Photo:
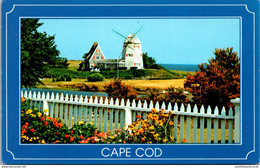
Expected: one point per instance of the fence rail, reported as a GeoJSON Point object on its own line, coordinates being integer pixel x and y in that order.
{"type": "Point", "coordinates": [193, 124]}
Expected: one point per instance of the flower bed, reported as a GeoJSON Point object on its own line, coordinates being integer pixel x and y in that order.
{"type": "Point", "coordinates": [37, 127]}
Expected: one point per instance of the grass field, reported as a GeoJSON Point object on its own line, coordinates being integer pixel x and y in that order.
{"type": "Point", "coordinates": [141, 84]}
{"type": "Point", "coordinates": [164, 79]}
{"type": "Point", "coordinates": [74, 64]}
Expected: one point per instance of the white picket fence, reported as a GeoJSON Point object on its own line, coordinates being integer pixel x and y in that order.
{"type": "Point", "coordinates": [193, 124]}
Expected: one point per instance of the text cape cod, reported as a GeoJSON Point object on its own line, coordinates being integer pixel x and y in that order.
{"type": "Point", "coordinates": [129, 152]}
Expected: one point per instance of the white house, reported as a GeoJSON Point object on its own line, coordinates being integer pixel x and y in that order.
{"type": "Point", "coordinates": [94, 55]}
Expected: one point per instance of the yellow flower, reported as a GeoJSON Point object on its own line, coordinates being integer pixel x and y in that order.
{"type": "Point", "coordinates": [27, 138]}
{"type": "Point", "coordinates": [81, 122]}
{"type": "Point", "coordinates": [162, 110]}
{"type": "Point", "coordinates": [39, 114]}
{"type": "Point", "coordinates": [166, 115]}
{"type": "Point", "coordinates": [151, 128]}
{"type": "Point", "coordinates": [35, 109]}
{"type": "Point", "coordinates": [34, 138]}
{"type": "Point", "coordinates": [164, 140]}
{"type": "Point", "coordinates": [29, 111]}
{"type": "Point", "coordinates": [149, 142]}
{"type": "Point", "coordinates": [43, 141]}
{"type": "Point", "coordinates": [171, 123]}
{"type": "Point", "coordinates": [112, 137]}
{"type": "Point", "coordinates": [30, 140]}
{"type": "Point", "coordinates": [160, 123]}
{"type": "Point", "coordinates": [154, 110]}
{"type": "Point", "coordinates": [46, 110]}
{"type": "Point", "coordinates": [124, 128]}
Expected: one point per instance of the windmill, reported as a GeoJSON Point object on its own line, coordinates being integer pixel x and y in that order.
{"type": "Point", "coordinates": [132, 50]}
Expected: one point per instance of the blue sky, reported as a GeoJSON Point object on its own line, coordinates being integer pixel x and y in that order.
{"type": "Point", "coordinates": [170, 41]}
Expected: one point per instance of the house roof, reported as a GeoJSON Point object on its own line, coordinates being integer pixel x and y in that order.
{"type": "Point", "coordinates": [91, 51]}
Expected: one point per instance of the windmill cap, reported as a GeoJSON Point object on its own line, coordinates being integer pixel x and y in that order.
{"type": "Point", "coordinates": [133, 39]}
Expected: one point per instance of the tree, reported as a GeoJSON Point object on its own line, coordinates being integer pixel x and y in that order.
{"type": "Point", "coordinates": [149, 62]}
{"type": "Point", "coordinates": [38, 51]}
{"type": "Point", "coordinates": [218, 81]}
{"type": "Point", "coordinates": [118, 89]}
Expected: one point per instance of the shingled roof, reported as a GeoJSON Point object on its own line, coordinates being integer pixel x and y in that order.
{"type": "Point", "coordinates": [91, 51]}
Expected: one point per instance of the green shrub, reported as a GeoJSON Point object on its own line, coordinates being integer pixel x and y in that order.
{"type": "Point", "coordinates": [95, 77]}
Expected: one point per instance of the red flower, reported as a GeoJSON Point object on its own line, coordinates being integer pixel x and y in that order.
{"type": "Point", "coordinates": [23, 132]}
{"type": "Point", "coordinates": [57, 133]}
{"type": "Point", "coordinates": [26, 124]}
{"type": "Point", "coordinates": [66, 135]}
{"type": "Point", "coordinates": [71, 139]}
{"type": "Point", "coordinates": [46, 123]}
{"type": "Point", "coordinates": [56, 125]}
{"type": "Point", "coordinates": [42, 119]}
{"type": "Point", "coordinates": [138, 116]}
{"type": "Point", "coordinates": [71, 132]}
{"type": "Point", "coordinates": [54, 120]}
{"type": "Point", "coordinates": [32, 130]}
{"type": "Point", "coordinates": [81, 137]}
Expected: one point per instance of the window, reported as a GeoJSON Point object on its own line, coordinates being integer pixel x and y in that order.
{"type": "Point", "coordinates": [97, 57]}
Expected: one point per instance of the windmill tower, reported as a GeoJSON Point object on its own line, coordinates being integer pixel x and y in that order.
{"type": "Point", "coordinates": [132, 51]}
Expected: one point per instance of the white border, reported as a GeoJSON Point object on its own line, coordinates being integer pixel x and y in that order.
{"type": "Point", "coordinates": [143, 18]}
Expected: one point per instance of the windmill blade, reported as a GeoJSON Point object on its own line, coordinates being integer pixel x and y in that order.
{"type": "Point", "coordinates": [136, 33]}
{"type": "Point", "coordinates": [119, 34]}
{"type": "Point", "coordinates": [138, 30]}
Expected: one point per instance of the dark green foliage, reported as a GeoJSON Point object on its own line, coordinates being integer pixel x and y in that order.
{"type": "Point", "coordinates": [38, 51]}
{"type": "Point", "coordinates": [61, 63]}
{"type": "Point", "coordinates": [149, 62]}
{"type": "Point", "coordinates": [95, 77]}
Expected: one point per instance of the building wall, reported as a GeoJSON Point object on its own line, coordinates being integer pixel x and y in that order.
{"type": "Point", "coordinates": [133, 56]}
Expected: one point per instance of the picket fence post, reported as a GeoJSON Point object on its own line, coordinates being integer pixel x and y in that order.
{"type": "Point", "coordinates": [45, 107]}
{"type": "Point", "coordinates": [236, 102]}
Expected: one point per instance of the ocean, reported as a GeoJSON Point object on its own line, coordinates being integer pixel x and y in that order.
{"type": "Point", "coordinates": [181, 67]}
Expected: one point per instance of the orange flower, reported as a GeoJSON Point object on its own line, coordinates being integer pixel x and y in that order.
{"type": "Point", "coordinates": [81, 137]}
{"type": "Point", "coordinates": [26, 124]}
{"type": "Point", "coordinates": [141, 131]}
{"type": "Point", "coordinates": [49, 118]}
{"type": "Point", "coordinates": [57, 141]}
{"type": "Point", "coordinates": [138, 116]}
{"type": "Point", "coordinates": [171, 123]}
{"type": "Point", "coordinates": [22, 99]}
{"type": "Point", "coordinates": [46, 123]}
{"type": "Point", "coordinates": [60, 124]}
{"type": "Point", "coordinates": [184, 140]}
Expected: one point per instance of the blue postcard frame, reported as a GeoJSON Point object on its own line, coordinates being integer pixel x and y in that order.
{"type": "Point", "coordinates": [246, 152]}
